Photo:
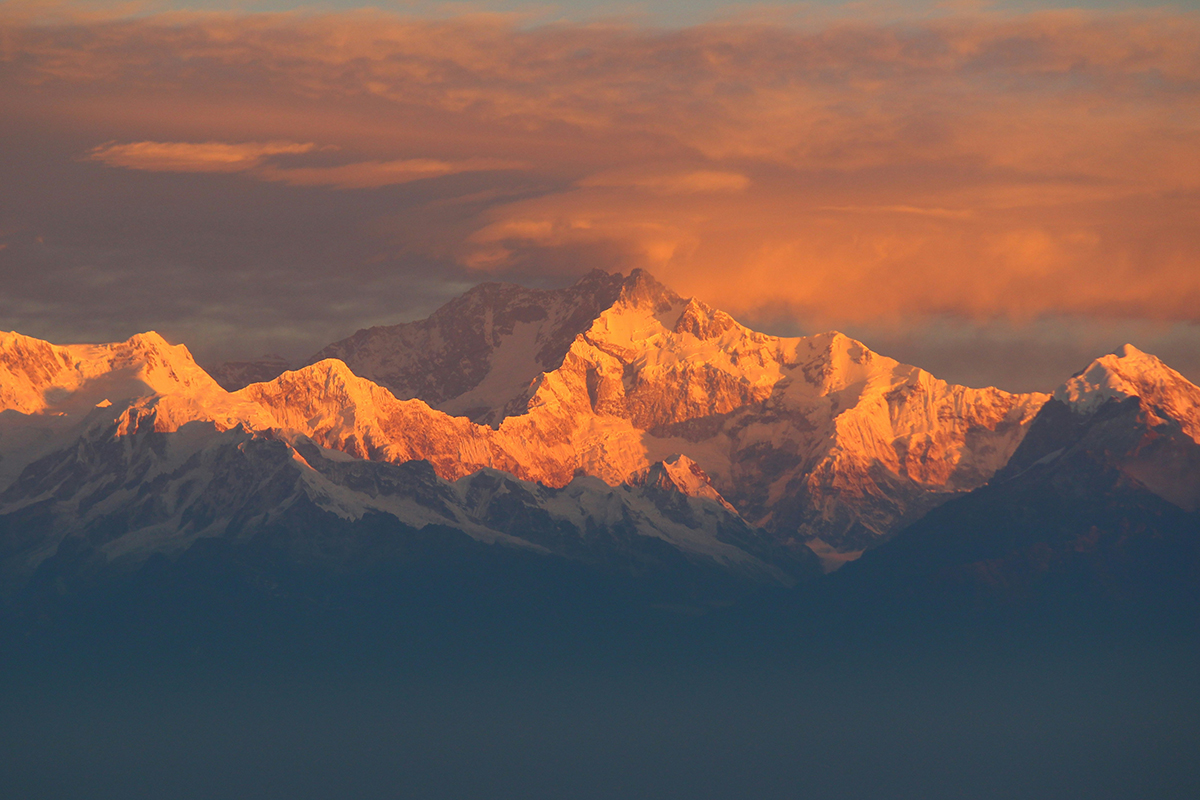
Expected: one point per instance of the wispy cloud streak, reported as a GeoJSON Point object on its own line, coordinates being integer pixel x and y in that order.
{"type": "Point", "coordinates": [193, 157]}
{"type": "Point", "coordinates": [253, 158]}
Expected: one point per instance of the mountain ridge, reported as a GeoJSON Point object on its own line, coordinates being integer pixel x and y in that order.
{"type": "Point", "coordinates": [664, 420]}
{"type": "Point", "coordinates": [817, 439]}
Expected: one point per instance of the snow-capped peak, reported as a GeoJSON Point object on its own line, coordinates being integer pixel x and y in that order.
{"type": "Point", "coordinates": [1129, 372]}
{"type": "Point", "coordinates": [1125, 372]}
{"type": "Point", "coordinates": [38, 375]}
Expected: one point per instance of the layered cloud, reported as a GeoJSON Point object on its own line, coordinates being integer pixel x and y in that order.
{"type": "Point", "coordinates": [982, 167]}
{"type": "Point", "coordinates": [193, 156]}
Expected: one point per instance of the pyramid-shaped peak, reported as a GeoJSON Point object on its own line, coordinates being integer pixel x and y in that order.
{"type": "Point", "coordinates": [1129, 351]}
{"type": "Point", "coordinates": [326, 387]}
{"type": "Point", "coordinates": [153, 342]}
{"type": "Point", "coordinates": [177, 353]}
{"type": "Point", "coordinates": [643, 289]}
{"type": "Point", "coordinates": [681, 462]}
{"type": "Point", "coordinates": [1130, 359]}
{"type": "Point", "coordinates": [676, 471]}
{"type": "Point", "coordinates": [840, 341]}
{"type": "Point", "coordinates": [842, 350]}
{"type": "Point", "coordinates": [684, 468]}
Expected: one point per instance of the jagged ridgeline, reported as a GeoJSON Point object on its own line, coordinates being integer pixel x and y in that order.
{"type": "Point", "coordinates": [816, 439]}
{"type": "Point", "coordinates": [611, 426]}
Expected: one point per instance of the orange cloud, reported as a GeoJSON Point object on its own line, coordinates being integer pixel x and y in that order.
{"type": "Point", "coordinates": [977, 166]}
{"type": "Point", "coordinates": [769, 251]}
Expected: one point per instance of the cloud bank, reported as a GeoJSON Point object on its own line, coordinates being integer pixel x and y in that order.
{"type": "Point", "coordinates": [991, 169]}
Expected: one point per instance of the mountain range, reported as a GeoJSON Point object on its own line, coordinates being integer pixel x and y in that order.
{"type": "Point", "coordinates": [816, 439]}
{"type": "Point", "coordinates": [610, 424]}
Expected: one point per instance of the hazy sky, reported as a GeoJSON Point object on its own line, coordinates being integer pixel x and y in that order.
{"type": "Point", "coordinates": [997, 192]}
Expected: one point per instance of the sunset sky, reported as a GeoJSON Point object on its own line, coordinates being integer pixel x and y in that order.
{"type": "Point", "coordinates": [997, 192]}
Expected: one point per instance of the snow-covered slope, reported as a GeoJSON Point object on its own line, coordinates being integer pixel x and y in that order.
{"type": "Point", "coordinates": [813, 437]}
{"type": "Point", "coordinates": [817, 439]}
{"type": "Point", "coordinates": [665, 432]}
{"type": "Point", "coordinates": [37, 377]}
{"type": "Point", "coordinates": [1100, 503]}
{"type": "Point", "coordinates": [130, 449]}
{"type": "Point", "coordinates": [341, 411]}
